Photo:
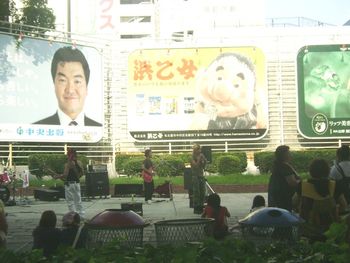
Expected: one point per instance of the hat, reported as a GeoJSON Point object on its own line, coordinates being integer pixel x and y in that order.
{"type": "Point", "coordinates": [70, 219]}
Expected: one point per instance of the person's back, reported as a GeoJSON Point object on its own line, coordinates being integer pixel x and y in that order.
{"type": "Point", "coordinates": [3, 225]}
{"type": "Point", "coordinates": [340, 171]}
{"type": "Point", "coordinates": [73, 234]}
{"type": "Point", "coordinates": [258, 202]}
{"type": "Point", "coordinates": [214, 210]}
{"type": "Point", "coordinates": [319, 197]}
{"type": "Point", "coordinates": [46, 236]}
{"type": "Point", "coordinates": [69, 234]}
{"type": "Point", "coordinates": [316, 209]}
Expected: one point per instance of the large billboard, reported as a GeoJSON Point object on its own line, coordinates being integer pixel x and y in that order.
{"type": "Point", "coordinates": [197, 94]}
{"type": "Point", "coordinates": [50, 91]}
{"type": "Point", "coordinates": [324, 91]}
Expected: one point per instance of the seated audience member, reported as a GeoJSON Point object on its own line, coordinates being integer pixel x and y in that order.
{"type": "Point", "coordinates": [3, 225]}
{"type": "Point", "coordinates": [258, 202]}
{"type": "Point", "coordinates": [46, 236]}
{"type": "Point", "coordinates": [340, 171]}
{"type": "Point", "coordinates": [72, 233]}
{"type": "Point", "coordinates": [320, 200]}
{"type": "Point", "coordinates": [214, 210]}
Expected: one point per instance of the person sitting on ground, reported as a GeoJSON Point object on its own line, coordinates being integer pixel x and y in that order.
{"type": "Point", "coordinates": [214, 210]}
{"type": "Point", "coordinates": [258, 202]}
{"type": "Point", "coordinates": [320, 200]}
{"type": "Point", "coordinates": [3, 225]}
{"type": "Point", "coordinates": [73, 234]}
{"type": "Point", "coordinates": [46, 236]}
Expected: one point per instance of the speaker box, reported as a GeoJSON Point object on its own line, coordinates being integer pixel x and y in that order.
{"type": "Point", "coordinates": [96, 184]}
{"type": "Point", "coordinates": [46, 194]}
{"type": "Point", "coordinates": [60, 189]}
{"type": "Point", "coordinates": [128, 189]}
{"type": "Point", "coordinates": [206, 150]}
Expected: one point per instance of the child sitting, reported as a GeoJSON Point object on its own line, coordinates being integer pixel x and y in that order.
{"type": "Point", "coordinates": [214, 210]}
{"type": "Point", "coordinates": [258, 202]}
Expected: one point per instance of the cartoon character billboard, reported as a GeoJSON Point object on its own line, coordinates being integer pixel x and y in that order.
{"type": "Point", "coordinates": [50, 91]}
{"type": "Point", "coordinates": [324, 91]}
{"type": "Point", "coordinates": [197, 93]}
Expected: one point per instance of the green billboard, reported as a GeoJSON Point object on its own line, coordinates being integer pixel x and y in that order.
{"type": "Point", "coordinates": [324, 91]}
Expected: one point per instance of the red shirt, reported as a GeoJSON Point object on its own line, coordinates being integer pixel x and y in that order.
{"type": "Point", "coordinates": [220, 220]}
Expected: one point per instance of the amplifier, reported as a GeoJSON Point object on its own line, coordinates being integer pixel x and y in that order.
{"type": "Point", "coordinates": [99, 168]}
{"type": "Point", "coordinates": [97, 184]}
{"type": "Point", "coordinates": [46, 195]}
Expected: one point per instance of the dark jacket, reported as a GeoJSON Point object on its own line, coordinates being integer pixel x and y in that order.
{"type": "Point", "coordinates": [54, 120]}
{"type": "Point", "coordinates": [68, 236]}
{"type": "Point", "coordinates": [47, 239]}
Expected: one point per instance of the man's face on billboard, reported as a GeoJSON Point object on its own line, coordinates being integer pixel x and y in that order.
{"type": "Point", "coordinates": [70, 88]}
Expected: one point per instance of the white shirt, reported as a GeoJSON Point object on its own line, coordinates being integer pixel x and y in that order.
{"type": "Point", "coordinates": [65, 119]}
{"type": "Point", "coordinates": [335, 173]}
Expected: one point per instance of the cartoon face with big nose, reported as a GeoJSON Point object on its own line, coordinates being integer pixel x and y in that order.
{"type": "Point", "coordinates": [228, 86]}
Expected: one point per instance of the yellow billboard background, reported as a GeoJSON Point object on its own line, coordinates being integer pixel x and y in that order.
{"type": "Point", "coordinates": [163, 90]}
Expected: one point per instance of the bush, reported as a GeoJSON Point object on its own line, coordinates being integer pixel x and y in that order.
{"type": "Point", "coordinates": [264, 161]}
{"type": "Point", "coordinates": [121, 159]}
{"type": "Point", "coordinates": [300, 159]}
{"type": "Point", "coordinates": [334, 249]}
{"type": "Point", "coordinates": [213, 166]}
{"type": "Point", "coordinates": [229, 164]}
{"type": "Point", "coordinates": [47, 164]}
{"type": "Point", "coordinates": [169, 165]}
{"type": "Point", "coordinates": [133, 166]}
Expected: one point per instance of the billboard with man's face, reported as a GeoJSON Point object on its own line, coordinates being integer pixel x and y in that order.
{"type": "Point", "coordinates": [50, 91]}
{"type": "Point", "coordinates": [197, 94]}
{"type": "Point", "coordinates": [324, 91]}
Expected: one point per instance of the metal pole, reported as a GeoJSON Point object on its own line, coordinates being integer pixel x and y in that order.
{"type": "Point", "coordinates": [69, 21]}
{"type": "Point", "coordinates": [169, 147]}
{"type": "Point", "coordinates": [10, 156]}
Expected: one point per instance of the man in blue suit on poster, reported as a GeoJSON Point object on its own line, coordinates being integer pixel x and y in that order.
{"type": "Point", "coordinates": [70, 73]}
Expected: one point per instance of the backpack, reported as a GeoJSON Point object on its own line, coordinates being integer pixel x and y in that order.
{"type": "Point", "coordinates": [344, 182]}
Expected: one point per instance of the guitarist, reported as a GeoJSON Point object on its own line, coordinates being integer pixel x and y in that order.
{"type": "Point", "coordinates": [73, 170]}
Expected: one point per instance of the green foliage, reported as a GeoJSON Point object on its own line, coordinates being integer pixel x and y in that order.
{"type": "Point", "coordinates": [168, 165]}
{"type": "Point", "coordinates": [229, 164]}
{"type": "Point", "coordinates": [264, 161]}
{"type": "Point", "coordinates": [121, 159]}
{"type": "Point", "coordinates": [133, 166]}
{"type": "Point", "coordinates": [37, 13]}
{"type": "Point", "coordinates": [213, 167]}
{"type": "Point", "coordinates": [165, 165]}
{"type": "Point", "coordinates": [42, 164]}
{"type": "Point", "coordinates": [335, 249]}
{"type": "Point", "coordinates": [301, 159]}
{"type": "Point", "coordinates": [173, 165]}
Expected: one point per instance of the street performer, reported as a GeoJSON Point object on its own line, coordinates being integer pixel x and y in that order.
{"type": "Point", "coordinates": [73, 170]}
{"type": "Point", "coordinates": [147, 174]}
{"type": "Point", "coordinates": [198, 164]}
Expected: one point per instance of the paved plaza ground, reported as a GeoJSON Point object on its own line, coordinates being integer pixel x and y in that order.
{"type": "Point", "coordinates": [24, 216]}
